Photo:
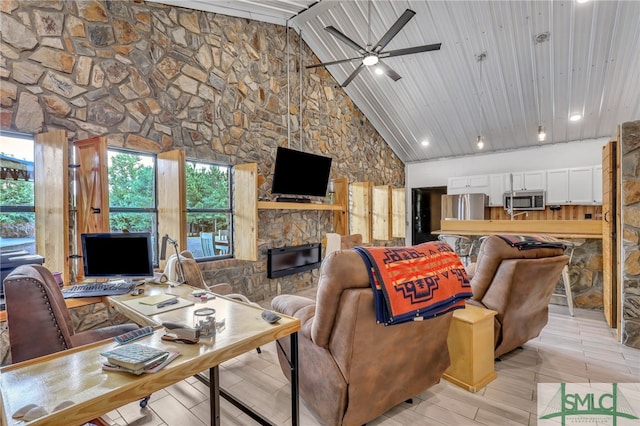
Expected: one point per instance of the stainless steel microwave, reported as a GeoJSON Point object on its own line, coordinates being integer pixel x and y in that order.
{"type": "Point", "coordinates": [525, 200]}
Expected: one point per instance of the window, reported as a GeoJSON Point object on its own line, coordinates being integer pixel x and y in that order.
{"type": "Point", "coordinates": [209, 215]}
{"type": "Point", "coordinates": [132, 194]}
{"type": "Point", "coordinates": [17, 210]}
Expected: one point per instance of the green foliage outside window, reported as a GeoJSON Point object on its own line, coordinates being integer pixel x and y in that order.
{"type": "Point", "coordinates": [16, 193]}
{"type": "Point", "coordinates": [207, 188]}
{"type": "Point", "coordinates": [131, 185]}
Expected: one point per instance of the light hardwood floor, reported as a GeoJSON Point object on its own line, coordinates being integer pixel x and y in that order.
{"type": "Point", "coordinates": [574, 350]}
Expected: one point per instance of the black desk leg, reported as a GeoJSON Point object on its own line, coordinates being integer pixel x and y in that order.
{"type": "Point", "coordinates": [214, 395]}
{"type": "Point", "coordinates": [295, 400]}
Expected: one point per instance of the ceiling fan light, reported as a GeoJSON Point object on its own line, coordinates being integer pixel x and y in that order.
{"type": "Point", "coordinates": [480, 142]}
{"type": "Point", "coordinates": [541, 134]}
{"type": "Point", "coordinates": [369, 60]}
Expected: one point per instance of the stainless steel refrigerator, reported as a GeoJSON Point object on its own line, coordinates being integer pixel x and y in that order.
{"type": "Point", "coordinates": [465, 207]}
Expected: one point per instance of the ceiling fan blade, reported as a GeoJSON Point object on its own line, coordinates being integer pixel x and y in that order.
{"type": "Point", "coordinates": [353, 75]}
{"type": "Point", "coordinates": [334, 62]}
{"type": "Point", "coordinates": [394, 30]}
{"type": "Point", "coordinates": [410, 50]}
{"type": "Point", "coordinates": [389, 71]}
{"type": "Point", "coordinates": [340, 36]}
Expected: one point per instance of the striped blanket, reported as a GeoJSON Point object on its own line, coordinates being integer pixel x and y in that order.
{"type": "Point", "coordinates": [414, 283]}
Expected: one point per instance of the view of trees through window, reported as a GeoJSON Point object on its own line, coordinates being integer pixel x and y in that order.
{"type": "Point", "coordinates": [208, 209]}
{"type": "Point", "coordinates": [17, 210]}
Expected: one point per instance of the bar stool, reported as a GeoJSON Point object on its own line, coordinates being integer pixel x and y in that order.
{"type": "Point", "coordinates": [462, 246]}
{"type": "Point", "coordinates": [570, 247]}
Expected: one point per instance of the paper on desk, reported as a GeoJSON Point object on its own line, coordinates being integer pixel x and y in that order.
{"type": "Point", "coordinates": [150, 310]}
{"type": "Point", "coordinates": [157, 299]}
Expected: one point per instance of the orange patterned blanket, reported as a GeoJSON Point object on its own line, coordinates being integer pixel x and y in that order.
{"type": "Point", "coordinates": [418, 282]}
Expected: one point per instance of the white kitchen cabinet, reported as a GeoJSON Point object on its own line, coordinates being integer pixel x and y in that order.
{"type": "Point", "coordinates": [581, 185]}
{"type": "Point", "coordinates": [557, 186]}
{"type": "Point", "coordinates": [496, 190]}
{"type": "Point", "coordinates": [526, 181]}
{"type": "Point", "coordinates": [468, 184]}
{"type": "Point", "coordinates": [597, 185]}
{"type": "Point", "coordinates": [578, 185]}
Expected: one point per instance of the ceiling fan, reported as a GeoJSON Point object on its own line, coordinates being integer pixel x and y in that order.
{"type": "Point", "coordinates": [372, 54]}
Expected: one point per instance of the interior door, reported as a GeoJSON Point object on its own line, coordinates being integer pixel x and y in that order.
{"type": "Point", "coordinates": [425, 213]}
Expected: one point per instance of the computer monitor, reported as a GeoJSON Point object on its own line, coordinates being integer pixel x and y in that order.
{"type": "Point", "coordinates": [125, 255]}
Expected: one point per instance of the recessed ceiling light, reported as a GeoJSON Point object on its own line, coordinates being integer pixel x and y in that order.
{"type": "Point", "coordinates": [425, 142]}
{"type": "Point", "coordinates": [575, 117]}
{"type": "Point", "coordinates": [379, 71]}
{"type": "Point", "coordinates": [581, 1]}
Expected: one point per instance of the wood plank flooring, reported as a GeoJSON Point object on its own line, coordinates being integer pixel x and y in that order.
{"type": "Point", "coordinates": [579, 349]}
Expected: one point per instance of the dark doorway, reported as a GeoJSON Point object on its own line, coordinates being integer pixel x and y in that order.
{"type": "Point", "coordinates": [425, 213]}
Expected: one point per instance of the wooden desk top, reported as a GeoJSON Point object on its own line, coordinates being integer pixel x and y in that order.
{"type": "Point", "coordinates": [77, 375]}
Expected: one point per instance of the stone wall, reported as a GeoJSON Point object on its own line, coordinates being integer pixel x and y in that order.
{"type": "Point", "coordinates": [630, 197]}
{"type": "Point", "coordinates": [152, 77]}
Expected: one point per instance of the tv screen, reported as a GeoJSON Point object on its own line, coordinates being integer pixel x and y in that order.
{"type": "Point", "coordinates": [112, 255]}
{"type": "Point", "coordinates": [300, 173]}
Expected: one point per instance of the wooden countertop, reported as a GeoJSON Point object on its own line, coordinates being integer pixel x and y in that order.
{"type": "Point", "coordinates": [554, 228]}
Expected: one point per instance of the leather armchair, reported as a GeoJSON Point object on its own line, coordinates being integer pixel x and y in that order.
{"type": "Point", "coordinates": [351, 369]}
{"type": "Point", "coordinates": [518, 285]}
{"type": "Point", "coordinates": [38, 319]}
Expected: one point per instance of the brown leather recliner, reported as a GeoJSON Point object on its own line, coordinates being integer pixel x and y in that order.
{"type": "Point", "coordinates": [38, 319]}
{"type": "Point", "coordinates": [518, 285]}
{"type": "Point", "coordinates": [351, 369]}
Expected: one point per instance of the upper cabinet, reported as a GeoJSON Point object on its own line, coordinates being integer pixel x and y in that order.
{"type": "Point", "coordinates": [597, 185]}
{"type": "Point", "coordinates": [578, 185]}
{"type": "Point", "coordinates": [558, 186]}
{"type": "Point", "coordinates": [526, 181]}
{"type": "Point", "coordinates": [497, 189]}
{"type": "Point", "coordinates": [468, 185]}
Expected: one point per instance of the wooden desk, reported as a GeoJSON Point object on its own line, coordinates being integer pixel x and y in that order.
{"type": "Point", "coordinates": [77, 374]}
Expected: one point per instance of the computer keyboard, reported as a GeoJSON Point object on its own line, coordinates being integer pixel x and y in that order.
{"type": "Point", "coordinates": [109, 288]}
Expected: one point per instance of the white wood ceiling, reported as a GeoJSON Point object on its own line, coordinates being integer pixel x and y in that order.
{"type": "Point", "coordinates": [590, 65]}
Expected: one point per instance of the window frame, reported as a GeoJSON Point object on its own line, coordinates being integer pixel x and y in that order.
{"type": "Point", "coordinates": [154, 210]}
{"type": "Point", "coordinates": [227, 211]}
{"type": "Point", "coordinates": [31, 209]}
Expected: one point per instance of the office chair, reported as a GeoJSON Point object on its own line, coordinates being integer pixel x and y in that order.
{"type": "Point", "coordinates": [38, 319]}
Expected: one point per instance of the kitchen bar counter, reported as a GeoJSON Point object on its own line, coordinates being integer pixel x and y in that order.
{"type": "Point", "coordinates": [555, 228]}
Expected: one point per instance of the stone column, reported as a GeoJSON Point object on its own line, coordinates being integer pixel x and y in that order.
{"type": "Point", "coordinates": [630, 193]}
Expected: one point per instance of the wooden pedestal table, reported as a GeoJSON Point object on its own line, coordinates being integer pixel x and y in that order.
{"type": "Point", "coordinates": [470, 344]}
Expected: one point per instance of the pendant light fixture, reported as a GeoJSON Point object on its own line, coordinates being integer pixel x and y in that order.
{"type": "Point", "coordinates": [480, 139]}
{"type": "Point", "coordinates": [542, 135]}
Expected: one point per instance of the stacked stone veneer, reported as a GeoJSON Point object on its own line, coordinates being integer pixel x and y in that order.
{"type": "Point", "coordinates": [153, 78]}
{"type": "Point", "coordinates": [630, 152]}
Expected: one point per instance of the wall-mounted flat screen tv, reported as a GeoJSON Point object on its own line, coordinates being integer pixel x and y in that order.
{"type": "Point", "coordinates": [300, 173]}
